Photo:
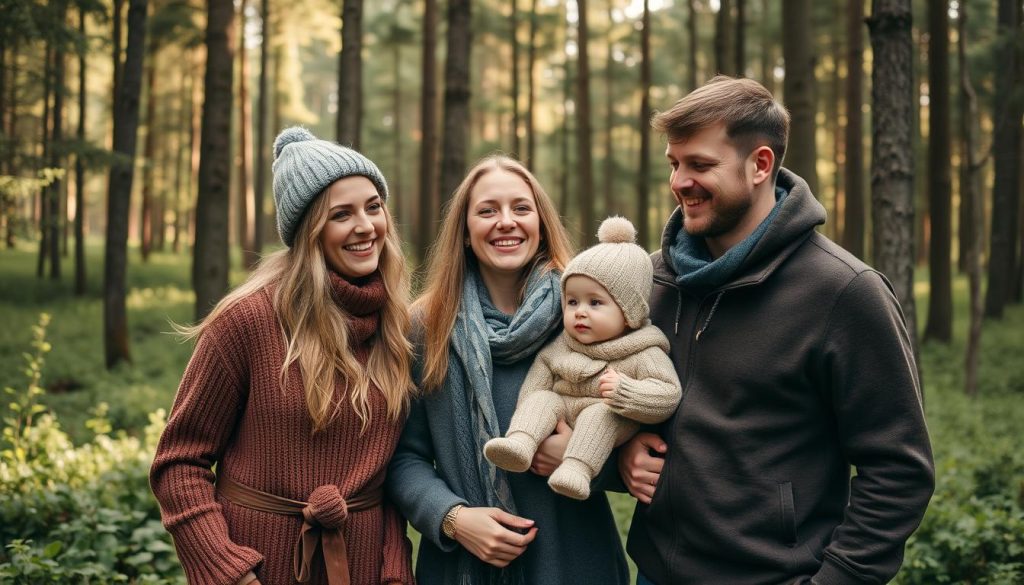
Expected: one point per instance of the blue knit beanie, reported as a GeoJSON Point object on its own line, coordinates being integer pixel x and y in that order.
{"type": "Point", "coordinates": [304, 166]}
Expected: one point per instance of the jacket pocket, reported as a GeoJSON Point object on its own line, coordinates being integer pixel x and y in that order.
{"type": "Point", "coordinates": [787, 514]}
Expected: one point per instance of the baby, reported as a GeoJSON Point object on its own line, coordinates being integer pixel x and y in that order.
{"type": "Point", "coordinates": [606, 374]}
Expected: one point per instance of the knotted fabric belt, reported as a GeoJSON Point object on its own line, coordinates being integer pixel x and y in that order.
{"type": "Point", "coordinates": [323, 517]}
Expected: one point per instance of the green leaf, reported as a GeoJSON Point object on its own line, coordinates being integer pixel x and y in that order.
{"type": "Point", "coordinates": [52, 549]}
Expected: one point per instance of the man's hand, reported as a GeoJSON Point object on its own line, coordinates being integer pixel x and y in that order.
{"type": "Point", "coordinates": [486, 532]}
{"type": "Point", "coordinates": [639, 470]}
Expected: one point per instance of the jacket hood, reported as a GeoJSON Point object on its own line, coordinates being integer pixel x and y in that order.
{"type": "Point", "coordinates": [798, 215]}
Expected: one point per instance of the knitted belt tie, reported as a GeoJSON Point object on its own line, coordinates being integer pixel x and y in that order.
{"type": "Point", "coordinates": [323, 517]}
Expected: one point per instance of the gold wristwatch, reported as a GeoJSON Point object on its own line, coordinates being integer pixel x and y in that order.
{"type": "Point", "coordinates": [448, 524]}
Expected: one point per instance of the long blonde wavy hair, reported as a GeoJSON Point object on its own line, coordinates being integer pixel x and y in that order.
{"type": "Point", "coordinates": [438, 305]}
{"type": "Point", "coordinates": [315, 328]}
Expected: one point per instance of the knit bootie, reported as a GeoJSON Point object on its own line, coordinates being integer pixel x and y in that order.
{"type": "Point", "coordinates": [512, 453]}
{"type": "Point", "coordinates": [572, 479]}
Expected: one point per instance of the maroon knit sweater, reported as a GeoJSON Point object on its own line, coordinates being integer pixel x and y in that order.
{"type": "Point", "coordinates": [231, 411]}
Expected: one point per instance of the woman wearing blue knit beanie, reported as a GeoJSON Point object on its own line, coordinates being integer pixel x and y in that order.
{"type": "Point", "coordinates": [492, 299]}
{"type": "Point", "coordinates": [296, 393]}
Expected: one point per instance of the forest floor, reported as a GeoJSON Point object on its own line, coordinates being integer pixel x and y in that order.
{"type": "Point", "coordinates": [966, 432]}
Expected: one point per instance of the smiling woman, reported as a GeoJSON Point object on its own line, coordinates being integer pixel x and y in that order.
{"type": "Point", "coordinates": [296, 392]}
{"type": "Point", "coordinates": [492, 300]}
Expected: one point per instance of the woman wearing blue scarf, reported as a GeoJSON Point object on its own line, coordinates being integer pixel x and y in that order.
{"type": "Point", "coordinates": [492, 300]}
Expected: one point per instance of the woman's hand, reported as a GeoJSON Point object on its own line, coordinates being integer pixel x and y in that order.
{"type": "Point", "coordinates": [486, 533]}
{"type": "Point", "coordinates": [551, 450]}
{"type": "Point", "coordinates": [639, 469]}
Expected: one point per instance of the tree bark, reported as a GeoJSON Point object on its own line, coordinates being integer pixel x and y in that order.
{"type": "Point", "coordinates": [724, 60]}
{"type": "Point", "coordinates": [799, 90]}
{"type": "Point", "coordinates": [513, 37]}
{"type": "Point", "coordinates": [116, 48]}
{"type": "Point", "coordinates": [767, 50]}
{"type": "Point", "coordinates": [149, 150]}
{"type": "Point", "coordinates": [246, 196]}
{"type": "Point", "coordinates": [429, 203]}
{"type": "Point", "coordinates": [609, 174]}
{"type": "Point", "coordinates": [643, 195]}
{"type": "Point", "coordinates": [970, 197]}
{"type": "Point", "coordinates": [179, 157]}
{"type": "Point", "coordinates": [210, 264]}
{"type": "Point", "coordinates": [740, 50]}
{"type": "Point", "coordinates": [691, 25]}
{"type": "Point", "coordinates": [1006, 151]}
{"type": "Point", "coordinates": [892, 154]}
{"type": "Point", "coordinates": [80, 166]}
{"type": "Point", "coordinates": [126, 123]}
{"type": "Point", "coordinates": [456, 97]}
{"type": "Point", "coordinates": [350, 73]}
{"type": "Point", "coordinates": [939, 326]}
{"type": "Point", "coordinates": [585, 163]}
{"type": "Point", "coordinates": [853, 209]}
{"type": "Point", "coordinates": [44, 205]}
{"type": "Point", "coordinates": [401, 201]}
{"type": "Point", "coordinates": [57, 217]}
{"type": "Point", "coordinates": [531, 148]}
{"type": "Point", "coordinates": [259, 213]}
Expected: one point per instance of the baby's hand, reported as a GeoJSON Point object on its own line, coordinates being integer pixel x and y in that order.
{"type": "Point", "coordinates": [607, 383]}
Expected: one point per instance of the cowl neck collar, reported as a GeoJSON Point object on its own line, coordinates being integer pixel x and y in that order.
{"type": "Point", "coordinates": [361, 299]}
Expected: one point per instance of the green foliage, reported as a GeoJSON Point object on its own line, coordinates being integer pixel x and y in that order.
{"type": "Point", "coordinates": [81, 514]}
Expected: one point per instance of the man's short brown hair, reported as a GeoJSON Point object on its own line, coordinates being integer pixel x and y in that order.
{"type": "Point", "coordinates": [750, 113]}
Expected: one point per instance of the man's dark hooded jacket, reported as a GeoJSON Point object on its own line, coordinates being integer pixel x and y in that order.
{"type": "Point", "coordinates": [796, 369]}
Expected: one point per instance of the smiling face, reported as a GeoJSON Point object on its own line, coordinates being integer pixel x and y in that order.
{"type": "Point", "coordinates": [589, 313]}
{"type": "Point", "coordinates": [353, 234]}
{"type": "Point", "coordinates": [717, 187]}
{"type": "Point", "coordinates": [502, 223]}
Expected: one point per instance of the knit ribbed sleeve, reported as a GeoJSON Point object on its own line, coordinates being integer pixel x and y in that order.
{"type": "Point", "coordinates": [652, 394]}
{"type": "Point", "coordinates": [204, 414]}
{"type": "Point", "coordinates": [397, 549]}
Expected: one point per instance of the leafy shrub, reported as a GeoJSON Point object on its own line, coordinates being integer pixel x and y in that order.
{"type": "Point", "coordinates": [77, 514]}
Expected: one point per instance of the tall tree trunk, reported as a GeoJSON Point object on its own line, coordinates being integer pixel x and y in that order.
{"type": "Point", "coordinates": [940, 206]}
{"type": "Point", "coordinates": [799, 90]}
{"type": "Point", "coordinates": [259, 213]}
{"type": "Point", "coordinates": [195, 129]}
{"type": "Point", "coordinates": [401, 201]}
{"type": "Point", "coordinates": [116, 49]}
{"type": "Point", "coordinates": [210, 263]}
{"type": "Point", "coordinates": [44, 206]}
{"type": "Point", "coordinates": [767, 50]}
{"type": "Point", "coordinates": [456, 97]}
{"type": "Point", "coordinates": [691, 26]}
{"type": "Point", "coordinates": [531, 148]}
{"type": "Point", "coordinates": [149, 151]}
{"type": "Point", "coordinates": [835, 127]}
{"type": "Point", "coordinates": [57, 217]}
{"type": "Point", "coordinates": [179, 157]}
{"type": "Point", "coordinates": [513, 36]}
{"type": "Point", "coordinates": [585, 162]}
{"type": "Point", "coordinates": [350, 73]}
{"type": "Point", "coordinates": [970, 197]}
{"type": "Point", "coordinates": [643, 195]}
{"type": "Point", "coordinates": [608, 180]}
{"type": "Point", "coordinates": [563, 168]}
{"type": "Point", "coordinates": [740, 50]}
{"type": "Point", "coordinates": [246, 197]}
{"type": "Point", "coordinates": [853, 210]}
{"type": "Point", "coordinates": [724, 60]}
{"type": "Point", "coordinates": [115, 256]}
{"type": "Point", "coordinates": [429, 201]}
{"type": "Point", "coordinates": [1006, 150]}
{"type": "Point", "coordinates": [80, 166]}
{"type": "Point", "coordinates": [892, 152]}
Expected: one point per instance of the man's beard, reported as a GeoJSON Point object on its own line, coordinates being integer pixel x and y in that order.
{"type": "Point", "coordinates": [725, 215]}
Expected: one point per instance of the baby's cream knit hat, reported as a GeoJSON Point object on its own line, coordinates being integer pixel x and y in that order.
{"type": "Point", "coordinates": [619, 265]}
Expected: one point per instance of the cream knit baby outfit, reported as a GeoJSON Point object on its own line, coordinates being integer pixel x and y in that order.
{"type": "Point", "coordinates": [563, 383]}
